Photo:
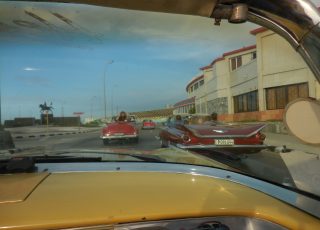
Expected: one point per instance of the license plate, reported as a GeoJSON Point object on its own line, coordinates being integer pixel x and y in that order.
{"type": "Point", "coordinates": [224, 142]}
{"type": "Point", "coordinates": [118, 134]}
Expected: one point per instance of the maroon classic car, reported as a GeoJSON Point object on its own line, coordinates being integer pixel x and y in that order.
{"type": "Point", "coordinates": [120, 130]}
{"type": "Point", "coordinates": [201, 133]}
{"type": "Point", "coordinates": [148, 124]}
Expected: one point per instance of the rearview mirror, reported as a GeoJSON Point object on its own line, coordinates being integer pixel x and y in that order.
{"type": "Point", "coordinates": [302, 118]}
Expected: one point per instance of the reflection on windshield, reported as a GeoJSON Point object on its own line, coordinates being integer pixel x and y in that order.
{"type": "Point", "coordinates": [93, 78]}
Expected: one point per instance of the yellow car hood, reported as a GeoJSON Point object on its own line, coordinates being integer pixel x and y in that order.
{"type": "Point", "coordinates": [73, 199]}
{"type": "Point", "coordinates": [17, 187]}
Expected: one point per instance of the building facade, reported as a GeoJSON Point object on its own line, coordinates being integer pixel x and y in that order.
{"type": "Point", "coordinates": [185, 107]}
{"type": "Point", "coordinates": [254, 83]}
{"type": "Point", "coordinates": [283, 75]}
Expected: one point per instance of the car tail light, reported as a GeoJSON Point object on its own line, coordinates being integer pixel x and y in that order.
{"type": "Point", "coordinates": [186, 138]}
{"type": "Point", "coordinates": [261, 136]}
{"type": "Point", "coordinates": [105, 133]}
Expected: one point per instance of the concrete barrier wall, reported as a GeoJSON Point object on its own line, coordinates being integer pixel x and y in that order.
{"type": "Point", "coordinates": [20, 122]}
{"type": "Point", "coordinates": [66, 121]}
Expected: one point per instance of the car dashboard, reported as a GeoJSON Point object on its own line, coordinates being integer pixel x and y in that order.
{"type": "Point", "coordinates": [148, 196]}
{"type": "Point", "coordinates": [213, 223]}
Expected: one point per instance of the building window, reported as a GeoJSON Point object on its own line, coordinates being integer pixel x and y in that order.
{"type": "Point", "coordinates": [197, 108]}
{"type": "Point", "coordinates": [196, 86]}
{"type": "Point", "coordinates": [191, 89]}
{"type": "Point", "coordinates": [201, 83]}
{"type": "Point", "coordinates": [247, 102]}
{"type": "Point", "coordinates": [279, 97]}
{"type": "Point", "coordinates": [254, 55]}
{"type": "Point", "coordinates": [236, 62]}
{"type": "Point", "coordinates": [233, 63]}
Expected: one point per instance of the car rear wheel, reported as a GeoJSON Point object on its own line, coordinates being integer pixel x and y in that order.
{"type": "Point", "coordinates": [105, 141]}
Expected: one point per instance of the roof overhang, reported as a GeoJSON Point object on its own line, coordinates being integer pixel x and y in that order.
{"type": "Point", "coordinates": [194, 80]}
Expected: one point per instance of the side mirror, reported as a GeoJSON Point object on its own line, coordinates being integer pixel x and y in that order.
{"type": "Point", "coordinates": [302, 118]}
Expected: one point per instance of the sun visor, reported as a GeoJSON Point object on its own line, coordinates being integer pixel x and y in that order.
{"type": "Point", "coordinates": [190, 7]}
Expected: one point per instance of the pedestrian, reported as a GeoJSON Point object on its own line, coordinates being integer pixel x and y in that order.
{"type": "Point", "coordinates": [178, 120]}
{"type": "Point", "coordinates": [214, 116]}
{"type": "Point", "coordinates": [122, 116]}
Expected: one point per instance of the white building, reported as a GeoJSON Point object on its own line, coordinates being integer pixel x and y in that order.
{"type": "Point", "coordinates": [185, 107]}
{"type": "Point", "coordinates": [254, 82]}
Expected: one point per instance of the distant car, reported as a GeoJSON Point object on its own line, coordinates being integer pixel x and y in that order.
{"type": "Point", "coordinates": [120, 130]}
{"type": "Point", "coordinates": [199, 132]}
{"type": "Point", "coordinates": [148, 124]}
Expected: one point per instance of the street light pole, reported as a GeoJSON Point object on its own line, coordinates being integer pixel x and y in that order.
{"type": "Point", "coordinates": [91, 107]}
{"type": "Point", "coordinates": [112, 102]}
{"type": "Point", "coordinates": [112, 94]}
{"type": "Point", "coordinates": [104, 89]}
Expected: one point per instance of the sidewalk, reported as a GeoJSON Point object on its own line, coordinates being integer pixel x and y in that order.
{"type": "Point", "coordinates": [303, 162]}
{"type": "Point", "coordinates": [290, 142]}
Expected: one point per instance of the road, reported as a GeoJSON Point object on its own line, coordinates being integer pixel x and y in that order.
{"type": "Point", "coordinates": [284, 168]}
{"type": "Point", "coordinates": [265, 163]}
{"type": "Point", "coordinates": [148, 141]}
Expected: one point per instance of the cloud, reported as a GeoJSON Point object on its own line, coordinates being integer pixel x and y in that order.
{"type": "Point", "coordinates": [31, 69]}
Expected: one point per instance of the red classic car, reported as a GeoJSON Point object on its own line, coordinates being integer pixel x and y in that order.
{"type": "Point", "coordinates": [148, 124]}
{"type": "Point", "coordinates": [201, 133]}
{"type": "Point", "coordinates": [120, 130]}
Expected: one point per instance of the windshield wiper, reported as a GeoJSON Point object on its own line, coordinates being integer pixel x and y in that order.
{"type": "Point", "coordinates": [27, 163]}
{"type": "Point", "coordinates": [143, 157]}
{"type": "Point", "coordinates": [146, 158]}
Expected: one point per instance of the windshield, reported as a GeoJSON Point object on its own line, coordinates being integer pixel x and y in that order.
{"type": "Point", "coordinates": [90, 80]}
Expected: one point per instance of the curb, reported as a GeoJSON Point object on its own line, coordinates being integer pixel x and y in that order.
{"type": "Point", "coordinates": [51, 134]}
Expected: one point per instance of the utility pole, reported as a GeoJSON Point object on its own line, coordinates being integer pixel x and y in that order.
{"type": "Point", "coordinates": [104, 89]}
{"type": "Point", "coordinates": [62, 111]}
{"type": "Point", "coordinates": [91, 106]}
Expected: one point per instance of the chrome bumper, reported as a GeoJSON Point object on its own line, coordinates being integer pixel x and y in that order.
{"type": "Point", "coordinates": [118, 137]}
{"type": "Point", "coordinates": [223, 146]}
{"type": "Point", "coordinates": [148, 127]}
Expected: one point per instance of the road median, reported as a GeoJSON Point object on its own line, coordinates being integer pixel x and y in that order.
{"type": "Point", "coordinates": [41, 132]}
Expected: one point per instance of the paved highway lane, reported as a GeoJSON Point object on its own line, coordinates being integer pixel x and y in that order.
{"type": "Point", "coordinates": [148, 141]}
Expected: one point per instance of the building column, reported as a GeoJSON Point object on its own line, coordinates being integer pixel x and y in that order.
{"type": "Point", "coordinates": [317, 88]}
{"type": "Point", "coordinates": [261, 94]}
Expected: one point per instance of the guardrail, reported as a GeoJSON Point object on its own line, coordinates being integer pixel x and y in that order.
{"type": "Point", "coordinates": [41, 135]}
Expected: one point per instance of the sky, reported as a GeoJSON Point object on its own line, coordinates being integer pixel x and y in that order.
{"type": "Point", "coordinates": [146, 58]}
